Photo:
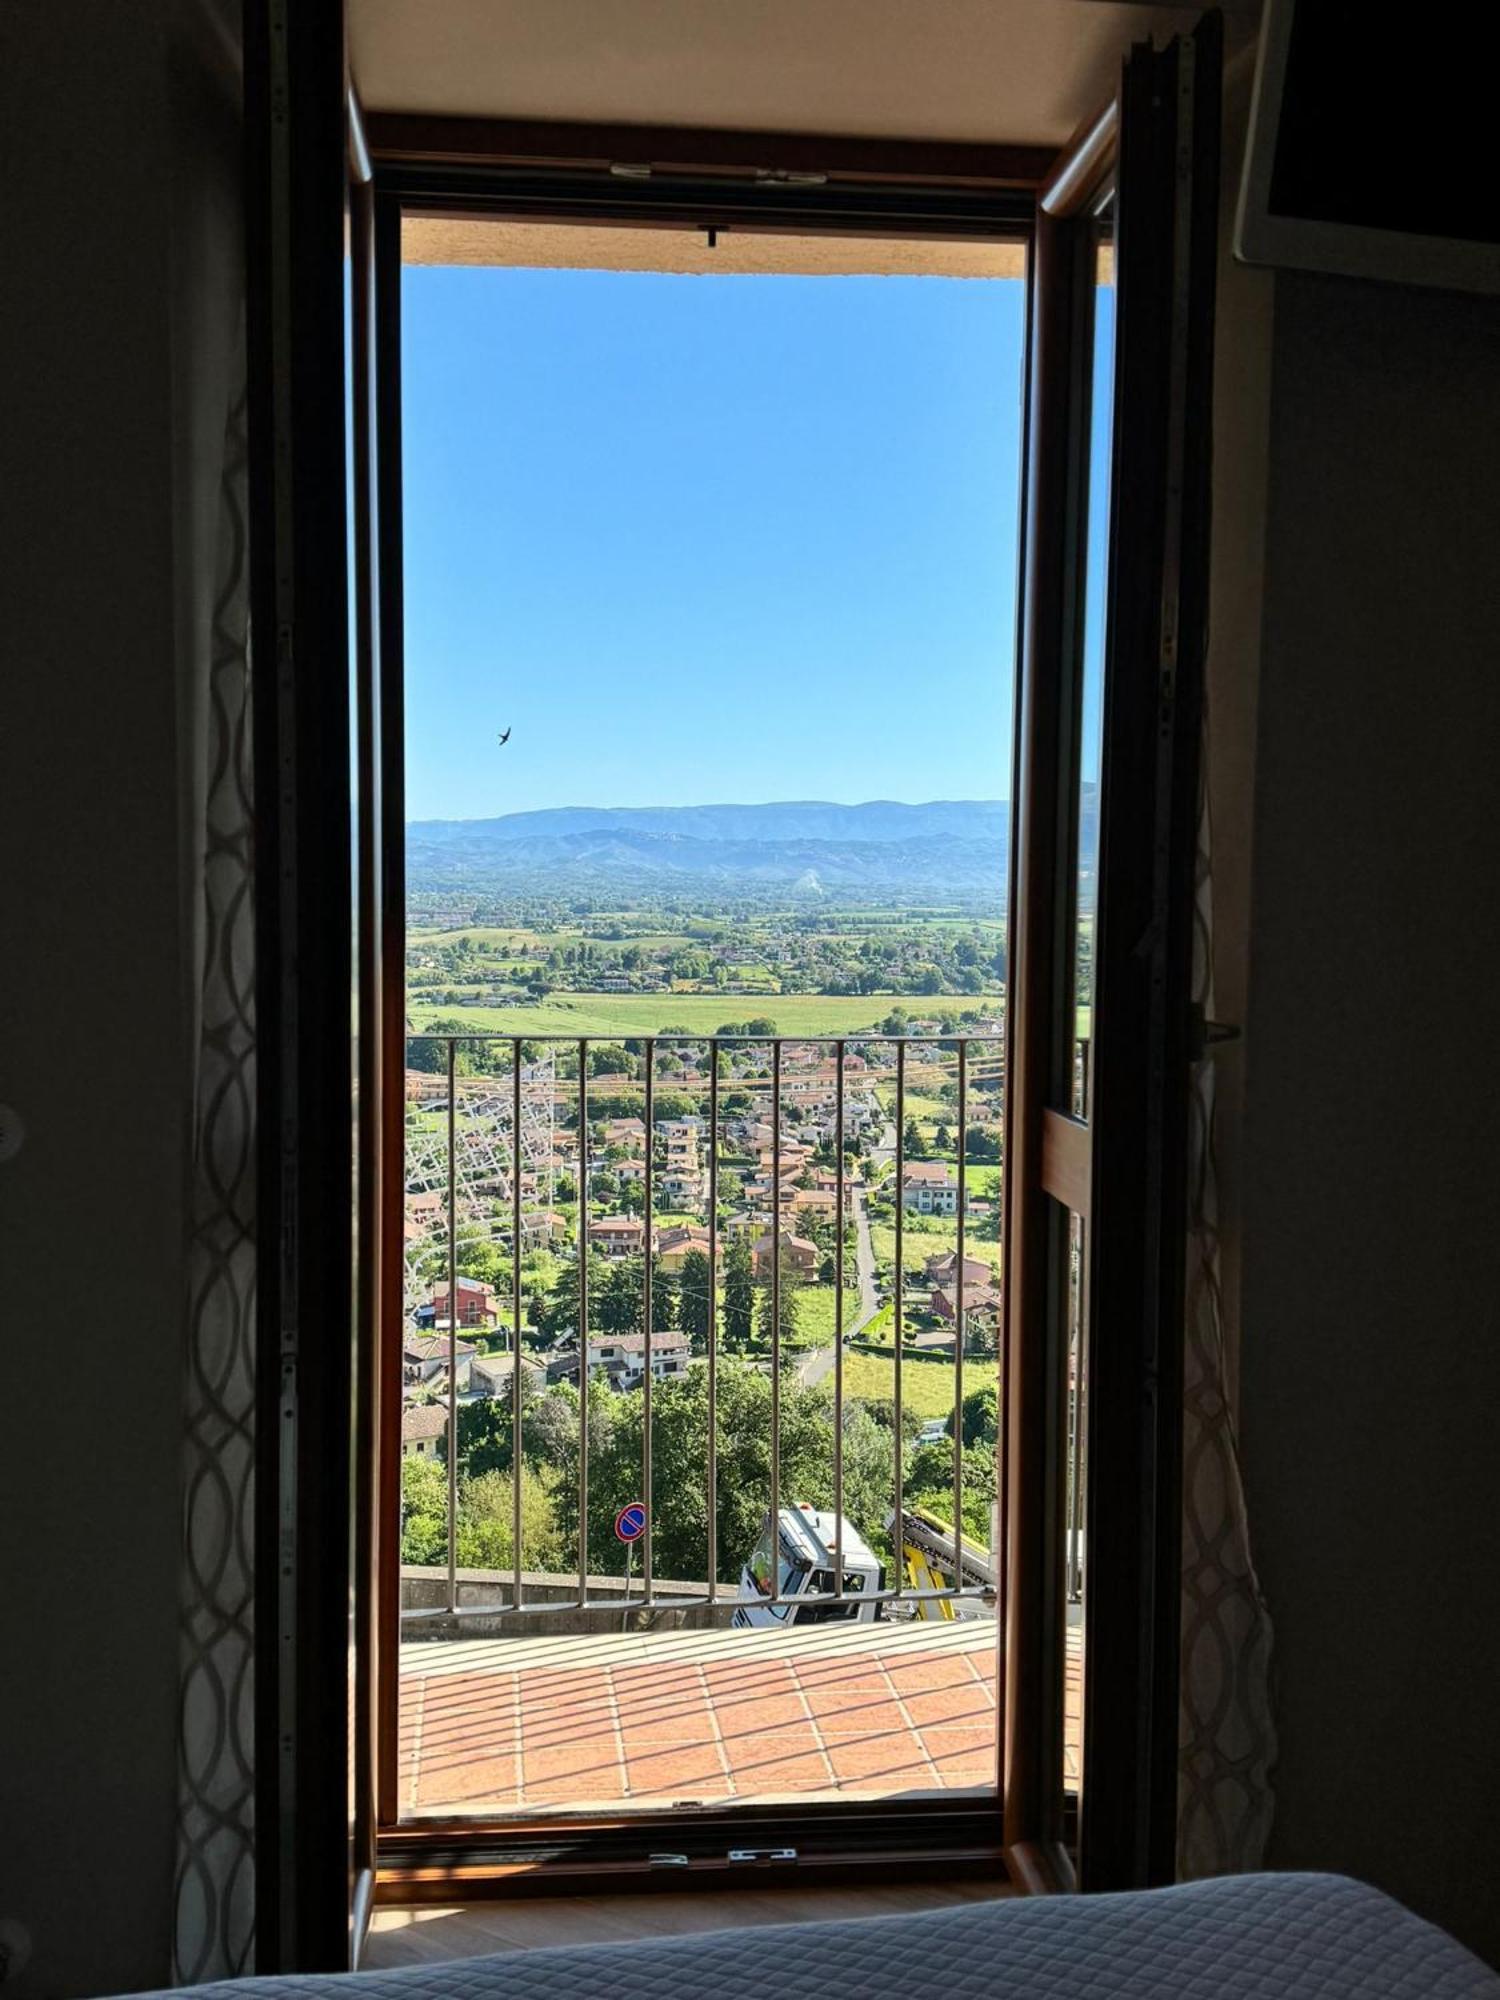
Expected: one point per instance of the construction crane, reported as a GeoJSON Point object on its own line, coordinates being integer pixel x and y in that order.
{"type": "Point", "coordinates": [926, 1546]}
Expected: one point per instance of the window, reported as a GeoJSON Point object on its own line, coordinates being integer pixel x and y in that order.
{"type": "Point", "coordinates": [1101, 1147]}
{"type": "Point", "coordinates": [750, 488]}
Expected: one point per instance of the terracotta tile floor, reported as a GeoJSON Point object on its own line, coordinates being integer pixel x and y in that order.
{"type": "Point", "coordinates": [872, 1711]}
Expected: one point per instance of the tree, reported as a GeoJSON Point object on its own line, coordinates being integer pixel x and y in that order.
{"type": "Point", "coordinates": [695, 1301]}
{"type": "Point", "coordinates": [679, 1458]}
{"type": "Point", "coordinates": [424, 1502]}
{"type": "Point", "coordinates": [665, 1298]}
{"type": "Point", "coordinates": [913, 1144]}
{"type": "Point", "coordinates": [485, 1538]}
{"type": "Point", "coordinates": [485, 1438]}
{"type": "Point", "coordinates": [790, 1305]}
{"type": "Point", "coordinates": [481, 1258]}
{"type": "Point", "coordinates": [980, 1416]}
{"type": "Point", "coordinates": [428, 1052]}
{"type": "Point", "coordinates": [561, 1315]}
{"type": "Point", "coordinates": [929, 1484]}
{"type": "Point", "coordinates": [620, 1307]}
{"type": "Point", "coordinates": [739, 1295]}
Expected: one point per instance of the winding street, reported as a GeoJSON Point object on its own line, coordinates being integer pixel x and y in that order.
{"type": "Point", "coordinates": [820, 1362]}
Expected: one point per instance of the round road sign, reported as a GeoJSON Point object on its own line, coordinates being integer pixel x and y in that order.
{"type": "Point", "coordinates": [630, 1522]}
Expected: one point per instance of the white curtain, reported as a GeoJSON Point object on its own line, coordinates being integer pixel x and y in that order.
{"type": "Point", "coordinates": [1227, 1740]}
{"type": "Point", "coordinates": [215, 1885]}
{"type": "Point", "coordinates": [214, 1915]}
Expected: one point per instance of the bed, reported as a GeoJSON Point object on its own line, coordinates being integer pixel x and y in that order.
{"type": "Point", "coordinates": [1250, 1937]}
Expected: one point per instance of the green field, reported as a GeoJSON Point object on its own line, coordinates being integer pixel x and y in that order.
{"type": "Point", "coordinates": [510, 938]}
{"type": "Point", "coordinates": [611, 1015]}
{"type": "Point", "coordinates": [926, 1386]}
{"type": "Point", "coordinates": [916, 1247]}
{"type": "Point", "coordinates": [815, 1313]}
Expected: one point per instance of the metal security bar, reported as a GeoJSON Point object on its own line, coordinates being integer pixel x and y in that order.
{"type": "Point", "coordinates": [525, 1118]}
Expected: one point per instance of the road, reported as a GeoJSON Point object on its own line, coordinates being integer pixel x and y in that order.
{"type": "Point", "coordinates": [820, 1362]}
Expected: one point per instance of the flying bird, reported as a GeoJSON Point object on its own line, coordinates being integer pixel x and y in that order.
{"type": "Point", "coordinates": [506, 737]}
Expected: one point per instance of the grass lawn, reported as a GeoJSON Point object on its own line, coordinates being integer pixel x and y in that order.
{"type": "Point", "coordinates": [815, 1313]}
{"type": "Point", "coordinates": [926, 1386]}
{"type": "Point", "coordinates": [612, 1015]}
{"type": "Point", "coordinates": [916, 1249]}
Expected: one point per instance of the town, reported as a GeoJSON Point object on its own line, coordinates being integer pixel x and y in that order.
{"type": "Point", "coordinates": [563, 1253]}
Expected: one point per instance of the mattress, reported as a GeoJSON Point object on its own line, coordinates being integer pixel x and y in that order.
{"type": "Point", "coordinates": [1251, 1937]}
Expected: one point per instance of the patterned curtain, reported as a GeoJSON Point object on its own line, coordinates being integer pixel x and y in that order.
{"type": "Point", "coordinates": [215, 1890]}
{"type": "Point", "coordinates": [1227, 1742]}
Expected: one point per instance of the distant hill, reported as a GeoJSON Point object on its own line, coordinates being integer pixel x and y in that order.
{"type": "Point", "coordinates": [807, 819]}
{"type": "Point", "coordinates": [946, 849]}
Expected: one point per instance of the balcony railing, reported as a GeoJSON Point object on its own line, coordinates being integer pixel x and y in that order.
{"type": "Point", "coordinates": [497, 1124]}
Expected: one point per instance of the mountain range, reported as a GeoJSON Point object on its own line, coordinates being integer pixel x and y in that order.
{"type": "Point", "coordinates": [946, 849]}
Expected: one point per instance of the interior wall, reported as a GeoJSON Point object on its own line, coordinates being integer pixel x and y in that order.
{"type": "Point", "coordinates": [1370, 1368]}
{"type": "Point", "coordinates": [104, 241]}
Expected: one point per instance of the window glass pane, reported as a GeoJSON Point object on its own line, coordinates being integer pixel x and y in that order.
{"type": "Point", "coordinates": [1091, 689]}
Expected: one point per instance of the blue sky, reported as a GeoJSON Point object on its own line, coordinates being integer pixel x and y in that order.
{"type": "Point", "coordinates": [699, 539]}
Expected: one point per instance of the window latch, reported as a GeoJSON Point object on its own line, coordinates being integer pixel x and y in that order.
{"type": "Point", "coordinates": [1205, 1035]}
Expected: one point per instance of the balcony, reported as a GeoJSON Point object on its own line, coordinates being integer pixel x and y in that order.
{"type": "Point", "coordinates": [808, 1336]}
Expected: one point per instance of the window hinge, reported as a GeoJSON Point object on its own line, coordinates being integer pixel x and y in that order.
{"type": "Point", "coordinates": [667, 1860]}
{"type": "Point", "coordinates": [763, 1854]}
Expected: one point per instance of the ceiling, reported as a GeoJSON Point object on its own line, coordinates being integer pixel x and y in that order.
{"type": "Point", "coordinates": [1022, 72]}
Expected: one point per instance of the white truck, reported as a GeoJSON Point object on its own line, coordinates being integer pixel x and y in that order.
{"type": "Point", "coordinates": [798, 1562]}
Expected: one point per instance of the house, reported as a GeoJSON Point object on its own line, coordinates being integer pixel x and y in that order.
{"type": "Point", "coordinates": [682, 1187]}
{"type": "Point", "coordinates": [800, 1256]}
{"type": "Point", "coordinates": [477, 1304]}
{"type": "Point", "coordinates": [674, 1244]}
{"type": "Point", "coordinates": [541, 1225]}
{"type": "Point", "coordinates": [616, 1236]}
{"type": "Point", "coordinates": [979, 1301]}
{"type": "Point", "coordinates": [423, 1426]}
{"type": "Point", "coordinates": [627, 1132]}
{"type": "Point", "coordinates": [930, 1194]}
{"type": "Point", "coordinates": [424, 1359]}
{"type": "Point", "coordinates": [820, 1202]}
{"type": "Point", "coordinates": [622, 1356]}
{"type": "Point", "coordinates": [943, 1269]}
{"type": "Point", "coordinates": [490, 1375]}
{"type": "Point", "coordinates": [426, 1208]}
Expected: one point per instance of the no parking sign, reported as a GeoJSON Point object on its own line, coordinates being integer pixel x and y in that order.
{"type": "Point", "coordinates": [630, 1522]}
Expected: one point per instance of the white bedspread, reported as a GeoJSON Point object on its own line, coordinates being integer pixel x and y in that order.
{"type": "Point", "coordinates": [1252, 1937]}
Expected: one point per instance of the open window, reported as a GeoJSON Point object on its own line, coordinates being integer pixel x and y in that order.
{"type": "Point", "coordinates": [746, 1280]}
{"type": "Point", "coordinates": [1063, 1114]}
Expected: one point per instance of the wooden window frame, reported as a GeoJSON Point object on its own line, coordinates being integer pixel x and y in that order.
{"type": "Point", "coordinates": [1122, 1167]}
{"type": "Point", "coordinates": [317, 892]}
{"type": "Point", "coordinates": [700, 181]}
